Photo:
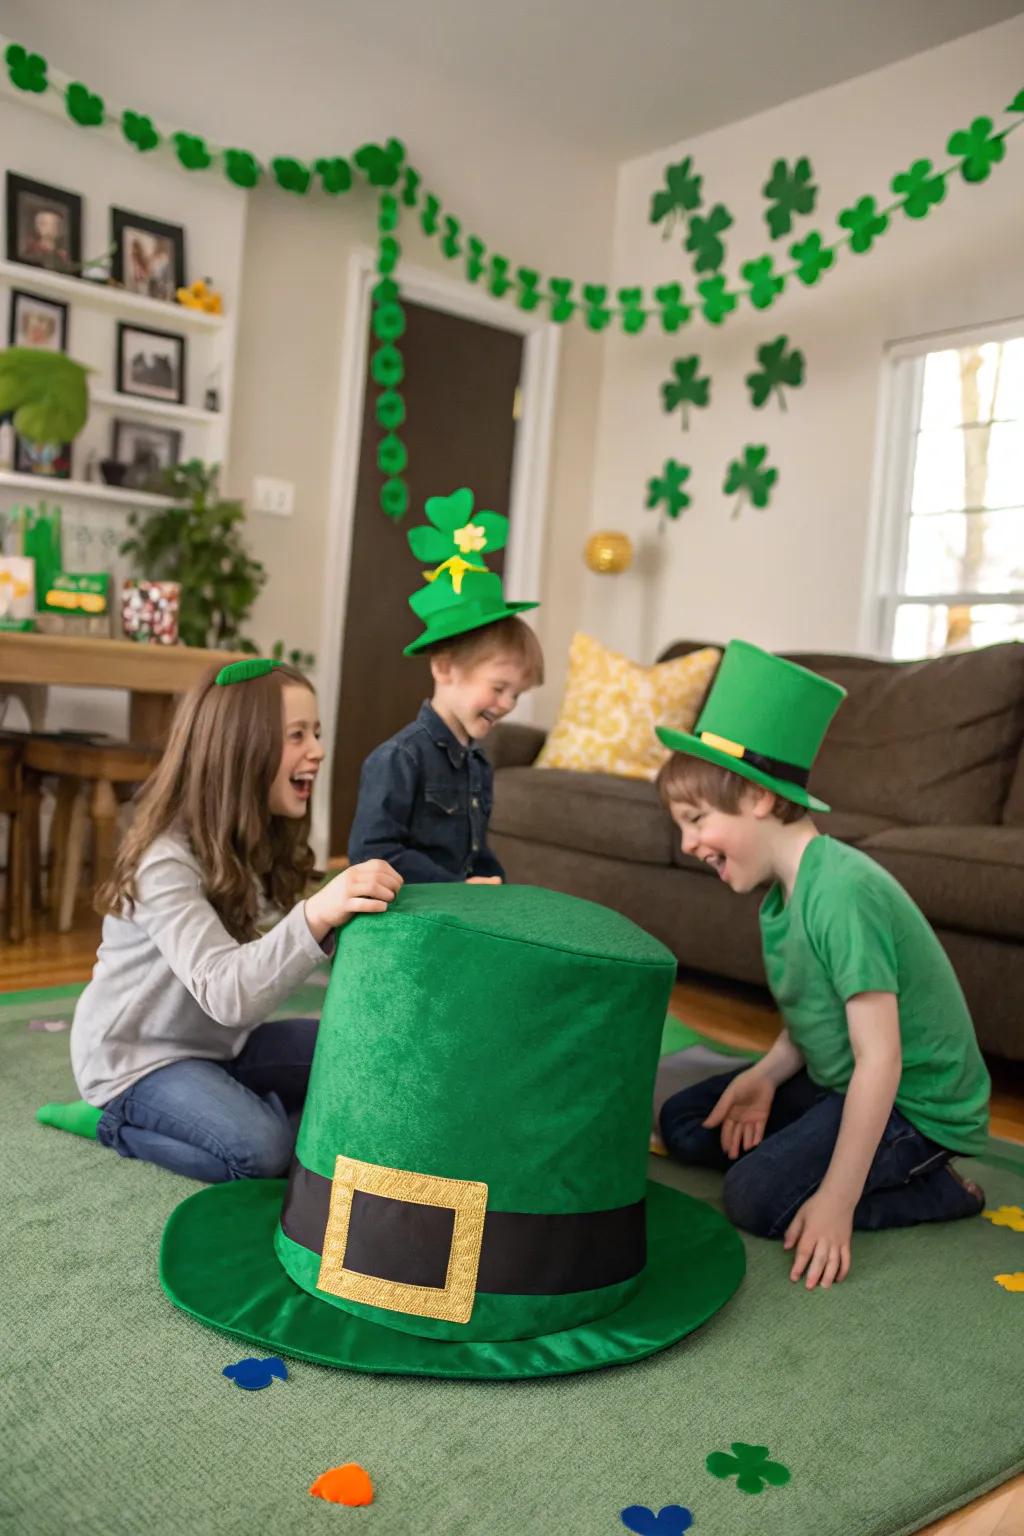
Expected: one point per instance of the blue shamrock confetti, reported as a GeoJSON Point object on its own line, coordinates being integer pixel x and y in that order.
{"type": "Point", "coordinates": [252, 1374]}
{"type": "Point", "coordinates": [671, 1520]}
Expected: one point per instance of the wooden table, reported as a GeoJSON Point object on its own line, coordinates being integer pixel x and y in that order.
{"type": "Point", "coordinates": [152, 674]}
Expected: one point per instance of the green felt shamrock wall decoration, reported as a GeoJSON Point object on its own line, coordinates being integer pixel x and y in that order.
{"type": "Point", "coordinates": [451, 243]}
{"type": "Point", "coordinates": [562, 305]}
{"type": "Point", "coordinates": [27, 70]}
{"type": "Point", "coordinates": [715, 299]}
{"type": "Point", "coordinates": [674, 309]}
{"type": "Point", "coordinates": [750, 1466]}
{"type": "Point", "coordinates": [191, 151]}
{"type": "Point", "coordinates": [335, 174]}
{"type": "Point", "coordinates": [747, 478]}
{"type": "Point", "coordinates": [476, 250]}
{"type": "Point", "coordinates": [780, 369]}
{"type": "Point", "coordinates": [865, 224]}
{"type": "Point", "coordinates": [394, 498]}
{"type": "Point", "coordinates": [666, 489]}
{"type": "Point", "coordinates": [84, 106]}
{"type": "Point", "coordinates": [765, 283]}
{"type": "Point", "coordinates": [812, 258]}
{"type": "Point", "coordinates": [703, 238]}
{"type": "Point", "coordinates": [979, 148]}
{"type": "Point", "coordinates": [686, 389]}
{"type": "Point", "coordinates": [788, 192]}
{"type": "Point", "coordinates": [291, 175]}
{"type": "Point", "coordinates": [139, 130]}
{"type": "Point", "coordinates": [498, 281]}
{"type": "Point", "coordinates": [527, 296]}
{"type": "Point", "coordinates": [919, 189]}
{"type": "Point", "coordinates": [680, 194]}
{"type": "Point", "coordinates": [242, 168]}
{"type": "Point", "coordinates": [597, 314]}
{"type": "Point", "coordinates": [631, 310]}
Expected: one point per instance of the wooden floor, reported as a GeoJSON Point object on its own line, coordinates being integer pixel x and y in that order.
{"type": "Point", "coordinates": [737, 1016]}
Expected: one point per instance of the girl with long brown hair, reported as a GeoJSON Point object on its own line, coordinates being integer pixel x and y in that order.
{"type": "Point", "coordinates": [169, 1039]}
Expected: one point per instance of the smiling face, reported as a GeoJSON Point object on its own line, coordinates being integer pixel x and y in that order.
{"type": "Point", "coordinates": [738, 845]}
{"type": "Point", "coordinates": [301, 753]}
{"type": "Point", "coordinates": [471, 700]}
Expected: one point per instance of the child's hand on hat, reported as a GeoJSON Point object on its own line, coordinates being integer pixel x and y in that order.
{"type": "Point", "coordinates": [483, 879]}
{"type": "Point", "coordinates": [368, 887]}
{"type": "Point", "coordinates": [742, 1111]}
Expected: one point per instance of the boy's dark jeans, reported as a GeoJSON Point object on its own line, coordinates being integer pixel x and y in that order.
{"type": "Point", "coordinates": [908, 1181]}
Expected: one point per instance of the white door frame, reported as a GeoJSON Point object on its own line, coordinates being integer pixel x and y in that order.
{"type": "Point", "coordinates": [530, 465]}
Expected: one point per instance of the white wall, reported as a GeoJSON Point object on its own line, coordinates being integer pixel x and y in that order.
{"type": "Point", "coordinates": [791, 576]}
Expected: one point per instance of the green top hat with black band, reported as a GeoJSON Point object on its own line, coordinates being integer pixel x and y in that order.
{"type": "Point", "coordinates": [469, 1194]}
{"type": "Point", "coordinates": [460, 592]}
{"type": "Point", "coordinates": [765, 719]}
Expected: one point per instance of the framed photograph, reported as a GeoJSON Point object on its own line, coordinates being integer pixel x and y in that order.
{"type": "Point", "coordinates": [35, 322]}
{"type": "Point", "coordinates": [145, 451]}
{"type": "Point", "coordinates": [50, 461]}
{"type": "Point", "coordinates": [148, 256]}
{"type": "Point", "coordinates": [150, 363]}
{"type": "Point", "coordinates": [44, 225]}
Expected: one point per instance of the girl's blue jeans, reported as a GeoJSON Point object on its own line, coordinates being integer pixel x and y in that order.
{"type": "Point", "coordinates": [218, 1120]}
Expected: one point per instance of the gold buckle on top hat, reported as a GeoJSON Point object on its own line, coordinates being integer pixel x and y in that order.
{"type": "Point", "coordinates": [452, 1302]}
{"type": "Point", "coordinates": [730, 748]}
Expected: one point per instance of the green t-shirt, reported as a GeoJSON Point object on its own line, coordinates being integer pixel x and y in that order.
{"type": "Point", "coordinates": [849, 927]}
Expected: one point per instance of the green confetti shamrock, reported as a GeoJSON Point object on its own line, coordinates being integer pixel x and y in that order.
{"type": "Point", "coordinates": [919, 189]}
{"type": "Point", "coordinates": [680, 194]}
{"type": "Point", "coordinates": [865, 224]}
{"type": "Point", "coordinates": [597, 313]}
{"type": "Point", "coordinates": [765, 283]}
{"type": "Point", "coordinates": [780, 369]}
{"type": "Point", "coordinates": [703, 239]}
{"type": "Point", "coordinates": [457, 534]}
{"type": "Point", "coordinates": [388, 253]}
{"type": "Point", "coordinates": [410, 187]}
{"type": "Point", "coordinates": [390, 410]}
{"type": "Point", "coordinates": [748, 479]}
{"type": "Point", "coordinates": [632, 313]}
{"type": "Point", "coordinates": [387, 367]}
{"type": "Point", "coordinates": [475, 254]}
{"type": "Point", "coordinates": [562, 306]}
{"type": "Point", "coordinates": [139, 130]}
{"type": "Point", "coordinates": [83, 106]}
{"type": "Point", "coordinates": [27, 70]}
{"type": "Point", "coordinates": [499, 281]}
{"type": "Point", "coordinates": [428, 215]}
{"type": "Point", "coordinates": [451, 243]}
{"type": "Point", "coordinates": [715, 300]}
{"type": "Point", "coordinates": [674, 309]}
{"type": "Point", "coordinates": [979, 147]}
{"type": "Point", "coordinates": [242, 168]}
{"type": "Point", "coordinates": [528, 297]}
{"type": "Point", "coordinates": [788, 192]}
{"type": "Point", "coordinates": [750, 1466]}
{"type": "Point", "coordinates": [291, 175]}
{"type": "Point", "coordinates": [666, 489]}
{"type": "Point", "coordinates": [191, 151]}
{"type": "Point", "coordinates": [812, 258]}
{"type": "Point", "coordinates": [335, 174]}
{"type": "Point", "coordinates": [381, 165]}
{"type": "Point", "coordinates": [387, 213]}
{"type": "Point", "coordinates": [394, 498]}
{"type": "Point", "coordinates": [392, 455]}
{"type": "Point", "coordinates": [686, 388]}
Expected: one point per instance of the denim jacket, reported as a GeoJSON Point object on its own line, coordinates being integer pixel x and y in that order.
{"type": "Point", "coordinates": [424, 804]}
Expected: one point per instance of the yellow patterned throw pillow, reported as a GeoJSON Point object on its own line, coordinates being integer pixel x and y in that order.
{"type": "Point", "coordinates": [611, 706]}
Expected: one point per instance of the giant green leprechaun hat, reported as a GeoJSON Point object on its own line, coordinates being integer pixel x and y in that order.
{"type": "Point", "coordinates": [765, 719]}
{"type": "Point", "coordinates": [469, 1194]}
{"type": "Point", "coordinates": [460, 592]}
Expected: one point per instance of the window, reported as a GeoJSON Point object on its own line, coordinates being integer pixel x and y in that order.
{"type": "Point", "coordinates": [949, 566]}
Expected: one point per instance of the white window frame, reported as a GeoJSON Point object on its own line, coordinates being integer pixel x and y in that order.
{"type": "Point", "coordinates": [899, 412]}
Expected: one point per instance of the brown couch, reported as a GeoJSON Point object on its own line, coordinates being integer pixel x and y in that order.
{"type": "Point", "coordinates": [924, 770]}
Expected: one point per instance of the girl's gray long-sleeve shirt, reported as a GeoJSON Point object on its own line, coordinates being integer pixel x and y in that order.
{"type": "Point", "coordinates": [171, 983]}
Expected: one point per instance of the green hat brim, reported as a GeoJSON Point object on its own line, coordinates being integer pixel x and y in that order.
{"type": "Point", "coordinates": [217, 1262]}
{"type": "Point", "coordinates": [682, 741]}
{"type": "Point", "coordinates": [461, 625]}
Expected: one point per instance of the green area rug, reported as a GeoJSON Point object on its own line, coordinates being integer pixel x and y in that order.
{"type": "Point", "coordinates": [893, 1398]}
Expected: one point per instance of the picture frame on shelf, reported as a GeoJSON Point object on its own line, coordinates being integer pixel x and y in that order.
{"type": "Point", "coordinates": [37, 322]}
{"type": "Point", "coordinates": [145, 451]}
{"type": "Point", "coordinates": [44, 225]}
{"type": "Point", "coordinates": [150, 364]}
{"type": "Point", "coordinates": [47, 461]}
{"type": "Point", "coordinates": [148, 256]}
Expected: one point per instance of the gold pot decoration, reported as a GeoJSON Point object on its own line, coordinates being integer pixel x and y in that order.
{"type": "Point", "coordinates": [609, 554]}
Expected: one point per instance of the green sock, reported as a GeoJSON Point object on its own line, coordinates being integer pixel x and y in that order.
{"type": "Point", "coordinates": [80, 1118]}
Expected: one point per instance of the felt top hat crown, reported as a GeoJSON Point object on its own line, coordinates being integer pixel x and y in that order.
{"type": "Point", "coordinates": [460, 593]}
{"type": "Point", "coordinates": [469, 1193]}
{"type": "Point", "coordinates": [765, 719]}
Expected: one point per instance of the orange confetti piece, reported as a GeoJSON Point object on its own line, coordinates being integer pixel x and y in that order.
{"type": "Point", "coordinates": [1006, 1216]}
{"type": "Point", "coordinates": [1011, 1282]}
{"type": "Point", "coordinates": [349, 1484]}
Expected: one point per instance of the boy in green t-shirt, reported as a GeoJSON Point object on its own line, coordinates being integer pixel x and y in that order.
{"type": "Point", "coordinates": [876, 1080]}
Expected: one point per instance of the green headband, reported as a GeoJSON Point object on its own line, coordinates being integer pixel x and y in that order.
{"type": "Point", "coordinates": [242, 671]}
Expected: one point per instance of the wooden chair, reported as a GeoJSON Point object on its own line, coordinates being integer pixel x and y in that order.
{"type": "Point", "coordinates": [12, 805]}
{"type": "Point", "coordinates": [88, 774]}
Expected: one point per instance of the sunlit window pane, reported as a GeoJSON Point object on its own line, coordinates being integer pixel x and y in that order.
{"type": "Point", "coordinates": [966, 552]}
{"type": "Point", "coordinates": [931, 629]}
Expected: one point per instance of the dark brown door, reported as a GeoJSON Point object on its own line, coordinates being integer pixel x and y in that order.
{"type": "Point", "coordinates": [460, 390]}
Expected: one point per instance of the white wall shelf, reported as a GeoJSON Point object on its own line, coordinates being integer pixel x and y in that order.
{"type": "Point", "coordinates": [119, 301]}
{"type": "Point", "coordinates": [163, 409]}
{"type": "Point", "coordinates": [51, 489]}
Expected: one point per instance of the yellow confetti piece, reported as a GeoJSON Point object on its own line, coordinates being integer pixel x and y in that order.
{"type": "Point", "coordinates": [1006, 1216]}
{"type": "Point", "coordinates": [1011, 1282]}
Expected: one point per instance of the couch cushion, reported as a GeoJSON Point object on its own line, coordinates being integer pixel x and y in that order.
{"type": "Point", "coordinates": [966, 878]}
{"type": "Point", "coordinates": [591, 812]}
{"type": "Point", "coordinates": [930, 742]}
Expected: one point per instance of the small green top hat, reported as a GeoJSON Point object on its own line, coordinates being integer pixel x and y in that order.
{"type": "Point", "coordinates": [460, 593]}
{"type": "Point", "coordinates": [469, 1193]}
{"type": "Point", "coordinates": [765, 719]}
